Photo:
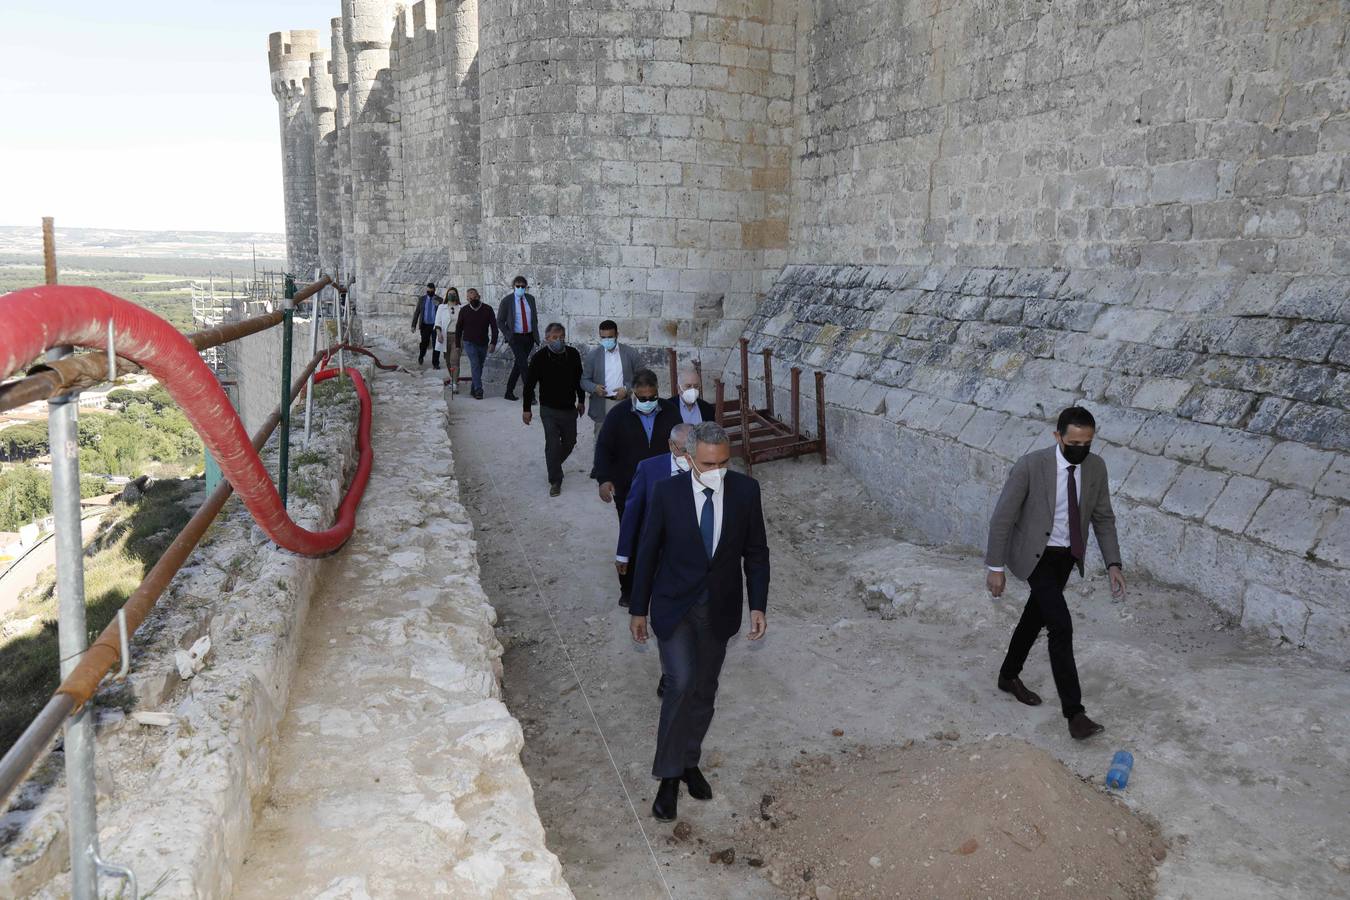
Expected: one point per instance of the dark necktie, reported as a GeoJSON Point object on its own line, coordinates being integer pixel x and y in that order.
{"type": "Point", "coordinates": [705, 521]}
{"type": "Point", "coordinates": [1075, 526]}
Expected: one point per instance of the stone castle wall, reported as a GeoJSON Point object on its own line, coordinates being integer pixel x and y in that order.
{"type": "Point", "coordinates": [1156, 135]}
{"type": "Point", "coordinates": [1224, 432]}
{"type": "Point", "coordinates": [959, 209]}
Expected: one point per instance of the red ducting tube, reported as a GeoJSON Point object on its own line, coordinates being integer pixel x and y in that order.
{"type": "Point", "coordinates": [36, 319]}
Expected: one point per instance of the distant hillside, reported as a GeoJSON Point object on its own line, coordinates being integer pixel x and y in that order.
{"type": "Point", "coordinates": [124, 244]}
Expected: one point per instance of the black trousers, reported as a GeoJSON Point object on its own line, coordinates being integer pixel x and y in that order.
{"type": "Point", "coordinates": [427, 332]}
{"type": "Point", "coordinates": [691, 663]}
{"type": "Point", "coordinates": [1046, 609]}
{"type": "Point", "coordinates": [560, 436]}
{"type": "Point", "coordinates": [521, 345]}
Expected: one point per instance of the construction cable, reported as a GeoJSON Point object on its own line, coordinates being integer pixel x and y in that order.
{"type": "Point", "coordinates": [43, 317]}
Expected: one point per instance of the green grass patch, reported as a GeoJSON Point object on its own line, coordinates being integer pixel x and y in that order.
{"type": "Point", "coordinates": [129, 541]}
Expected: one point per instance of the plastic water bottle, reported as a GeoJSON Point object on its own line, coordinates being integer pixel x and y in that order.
{"type": "Point", "coordinates": [1119, 774]}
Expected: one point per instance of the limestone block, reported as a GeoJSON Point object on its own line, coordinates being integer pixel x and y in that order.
{"type": "Point", "coordinates": [1316, 424]}
{"type": "Point", "coordinates": [1289, 520]}
{"type": "Point", "coordinates": [1161, 394]}
{"type": "Point", "coordinates": [1336, 481]}
{"type": "Point", "coordinates": [1153, 435]}
{"type": "Point", "coordinates": [1194, 492]}
{"type": "Point", "coordinates": [982, 427]}
{"type": "Point", "coordinates": [1218, 406]}
{"type": "Point", "coordinates": [1150, 479]}
{"type": "Point", "coordinates": [1296, 464]}
{"type": "Point", "coordinates": [1334, 546]}
{"type": "Point", "coordinates": [1190, 442]}
{"type": "Point", "coordinates": [1240, 499]}
{"type": "Point", "coordinates": [1279, 614]}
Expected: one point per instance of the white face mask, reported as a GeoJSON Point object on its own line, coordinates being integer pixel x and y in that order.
{"type": "Point", "coordinates": [689, 395]}
{"type": "Point", "coordinates": [712, 478]}
{"type": "Point", "coordinates": [682, 463]}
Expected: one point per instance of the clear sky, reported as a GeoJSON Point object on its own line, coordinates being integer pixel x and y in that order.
{"type": "Point", "coordinates": [147, 114]}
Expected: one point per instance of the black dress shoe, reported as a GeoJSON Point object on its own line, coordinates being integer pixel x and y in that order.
{"type": "Point", "coordinates": [699, 788]}
{"type": "Point", "coordinates": [511, 396]}
{"type": "Point", "coordinates": [667, 799]}
{"type": "Point", "coordinates": [555, 489]}
{"type": "Point", "coordinates": [1019, 690]}
{"type": "Point", "coordinates": [1081, 727]}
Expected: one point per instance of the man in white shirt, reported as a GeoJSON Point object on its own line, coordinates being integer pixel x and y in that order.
{"type": "Point", "coordinates": [1039, 531]}
{"type": "Point", "coordinates": [702, 556]}
{"type": "Point", "coordinates": [607, 373]}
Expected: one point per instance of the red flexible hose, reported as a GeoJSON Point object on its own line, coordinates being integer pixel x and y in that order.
{"type": "Point", "coordinates": [36, 319]}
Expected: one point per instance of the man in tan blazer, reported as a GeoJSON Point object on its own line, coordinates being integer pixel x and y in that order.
{"type": "Point", "coordinates": [1039, 531]}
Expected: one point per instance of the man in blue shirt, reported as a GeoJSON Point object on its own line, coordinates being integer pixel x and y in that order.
{"type": "Point", "coordinates": [424, 317]}
{"type": "Point", "coordinates": [635, 429]}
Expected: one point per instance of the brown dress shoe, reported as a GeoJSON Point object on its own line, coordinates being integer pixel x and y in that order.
{"type": "Point", "coordinates": [1019, 690]}
{"type": "Point", "coordinates": [1081, 727]}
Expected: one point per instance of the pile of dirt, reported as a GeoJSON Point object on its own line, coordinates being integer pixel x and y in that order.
{"type": "Point", "coordinates": [998, 818]}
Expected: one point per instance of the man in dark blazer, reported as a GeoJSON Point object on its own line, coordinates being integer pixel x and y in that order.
{"type": "Point", "coordinates": [1039, 531]}
{"type": "Point", "coordinates": [518, 319]}
{"type": "Point", "coordinates": [650, 471]}
{"type": "Point", "coordinates": [424, 318]}
{"type": "Point", "coordinates": [703, 529]}
{"type": "Point", "coordinates": [635, 429]}
{"type": "Point", "coordinates": [688, 399]}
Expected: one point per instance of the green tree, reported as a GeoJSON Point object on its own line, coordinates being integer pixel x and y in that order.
{"type": "Point", "coordinates": [23, 441]}
{"type": "Point", "coordinates": [25, 495]}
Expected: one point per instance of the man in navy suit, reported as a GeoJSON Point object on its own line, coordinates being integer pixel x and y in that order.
{"type": "Point", "coordinates": [702, 529]}
{"type": "Point", "coordinates": [650, 473]}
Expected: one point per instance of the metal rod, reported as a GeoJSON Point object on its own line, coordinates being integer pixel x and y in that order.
{"type": "Point", "coordinates": [820, 414]}
{"type": "Point", "coordinates": [287, 332]}
{"type": "Point", "coordinates": [745, 422]}
{"type": "Point", "coordinates": [674, 374]}
{"type": "Point", "coordinates": [49, 249]}
{"type": "Point", "coordinates": [315, 321]}
{"type": "Point", "coordinates": [796, 402]}
{"type": "Point", "coordinates": [72, 632]}
{"type": "Point", "coordinates": [343, 314]}
{"type": "Point", "coordinates": [768, 380]}
{"type": "Point", "coordinates": [745, 369]}
{"type": "Point", "coordinates": [112, 353]}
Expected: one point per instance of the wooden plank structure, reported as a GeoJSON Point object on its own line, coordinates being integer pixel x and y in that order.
{"type": "Point", "coordinates": [757, 434]}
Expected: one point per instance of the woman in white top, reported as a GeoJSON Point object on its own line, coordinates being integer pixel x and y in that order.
{"type": "Point", "coordinates": [445, 343]}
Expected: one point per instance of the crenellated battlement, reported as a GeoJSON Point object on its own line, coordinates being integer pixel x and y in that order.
{"type": "Point", "coordinates": [288, 55]}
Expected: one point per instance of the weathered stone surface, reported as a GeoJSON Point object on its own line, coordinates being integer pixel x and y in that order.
{"type": "Point", "coordinates": [1295, 464]}
{"type": "Point", "coordinates": [1279, 614]}
{"type": "Point", "coordinates": [1194, 491]}
{"type": "Point", "coordinates": [1150, 479]}
{"type": "Point", "coordinates": [1334, 547]}
{"type": "Point", "coordinates": [1289, 520]}
{"type": "Point", "coordinates": [1237, 503]}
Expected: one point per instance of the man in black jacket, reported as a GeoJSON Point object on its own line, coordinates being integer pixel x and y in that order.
{"type": "Point", "coordinates": [518, 318]}
{"type": "Point", "coordinates": [424, 317]}
{"type": "Point", "coordinates": [635, 429]}
{"type": "Point", "coordinates": [556, 371]}
{"type": "Point", "coordinates": [703, 529]}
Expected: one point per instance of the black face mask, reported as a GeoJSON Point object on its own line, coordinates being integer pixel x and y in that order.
{"type": "Point", "coordinates": [1075, 453]}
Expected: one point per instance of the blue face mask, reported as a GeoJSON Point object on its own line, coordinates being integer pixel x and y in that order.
{"type": "Point", "coordinates": [646, 407]}
{"type": "Point", "coordinates": [609, 343]}
{"type": "Point", "coordinates": [520, 292]}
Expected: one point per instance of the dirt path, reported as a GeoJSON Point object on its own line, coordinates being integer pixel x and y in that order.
{"type": "Point", "coordinates": [396, 772]}
{"type": "Point", "coordinates": [1240, 747]}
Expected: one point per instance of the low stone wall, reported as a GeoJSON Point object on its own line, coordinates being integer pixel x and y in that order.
{"type": "Point", "coordinates": [1221, 403]}
{"type": "Point", "coordinates": [177, 803]}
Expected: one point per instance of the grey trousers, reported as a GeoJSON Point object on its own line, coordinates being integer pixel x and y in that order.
{"type": "Point", "coordinates": [560, 436]}
{"type": "Point", "coordinates": [691, 660]}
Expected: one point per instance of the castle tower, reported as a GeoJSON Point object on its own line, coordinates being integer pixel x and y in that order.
{"type": "Point", "coordinates": [288, 58]}
{"type": "Point", "coordinates": [327, 178]}
{"type": "Point", "coordinates": [337, 66]}
{"type": "Point", "coordinates": [635, 162]}
{"type": "Point", "coordinates": [459, 33]}
{"type": "Point", "coordinates": [375, 141]}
